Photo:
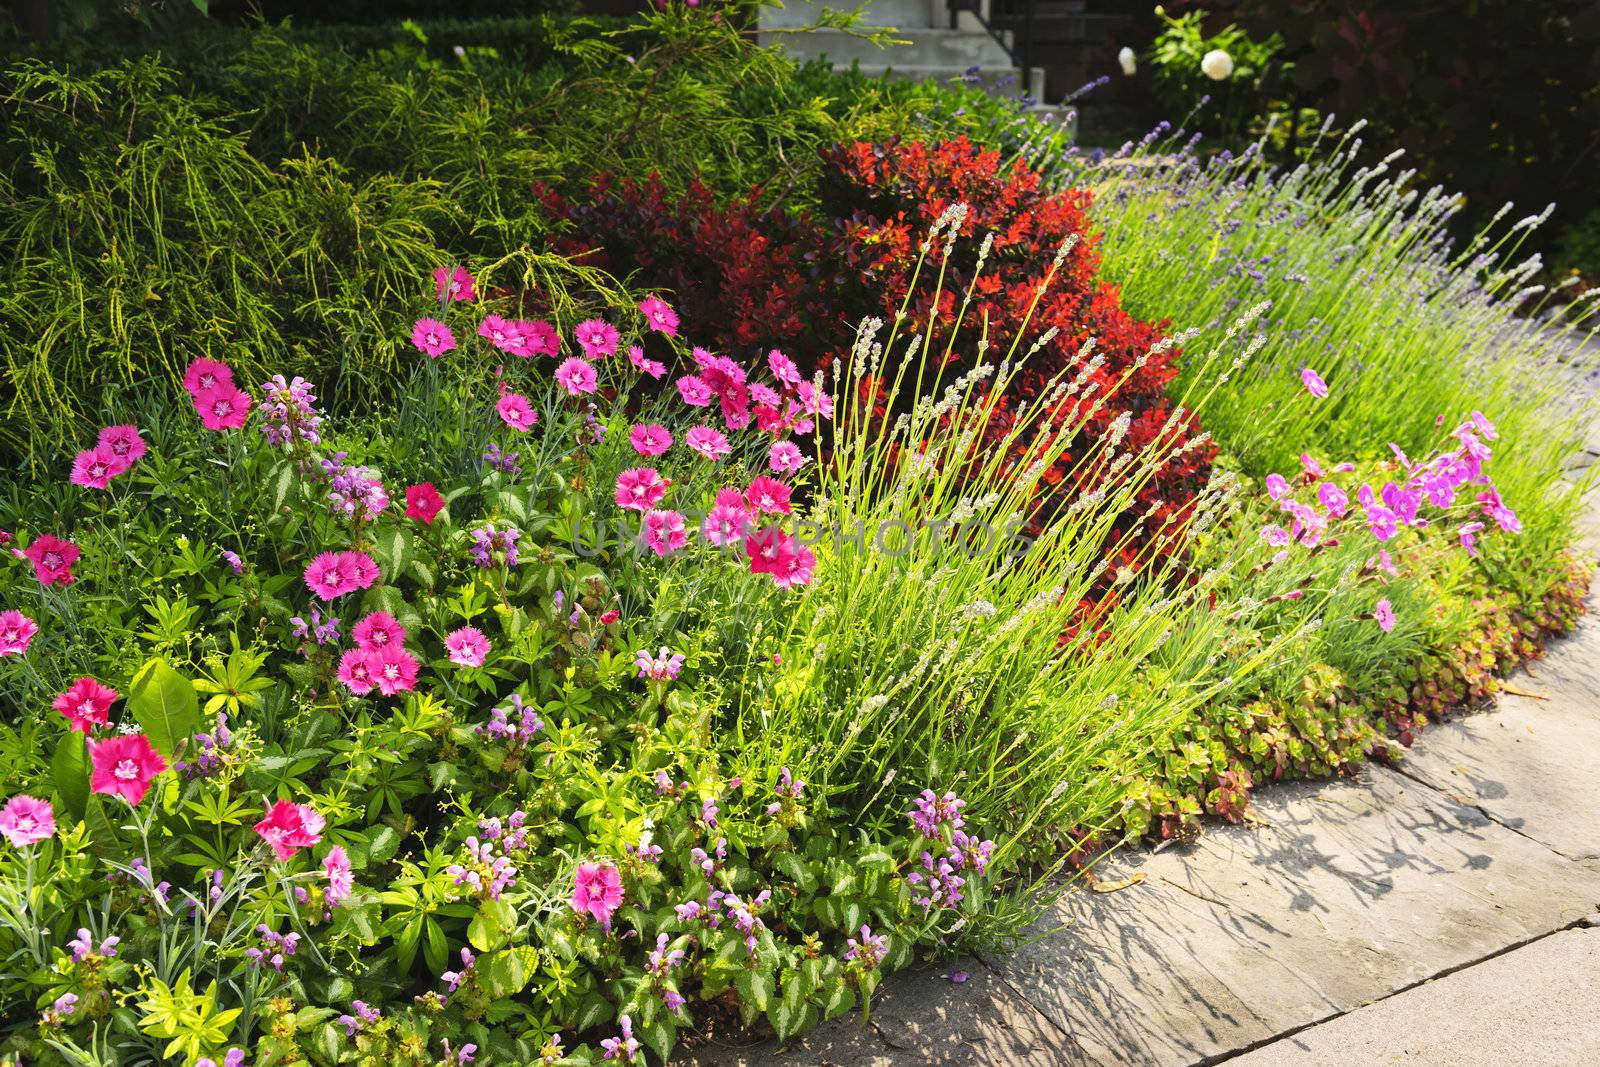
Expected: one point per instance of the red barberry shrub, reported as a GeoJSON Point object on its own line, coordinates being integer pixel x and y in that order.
{"type": "Point", "coordinates": [747, 278]}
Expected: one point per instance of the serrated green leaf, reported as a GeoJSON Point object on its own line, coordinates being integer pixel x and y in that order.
{"type": "Point", "coordinates": [382, 844]}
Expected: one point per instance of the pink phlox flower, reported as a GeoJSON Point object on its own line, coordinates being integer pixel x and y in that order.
{"type": "Point", "coordinates": [1333, 499]}
{"type": "Point", "coordinates": [124, 766]}
{"type": "Point", "coordinates": [1468, 537]}
{"type": "Point", "coordinates": [378, 631]}
{"type": "Point", "coordinates": [454, 283]}
{"type": "Point", "coordinates": [1496, 510]}
{"type": "Point", "coordinates": [726, 524]}
{"type": "Point", "coordinates": [652, 367]}
{"type": "Point", "coordinates": [659, 316]}
{"type": "Point", "coordinates": [694, 391]}
{"type": "Point", "coordinates": [52, 559]}
{"type": "Point", "coordinates": [1313, 469]}
{"type": "Point", "coordinates": [649, 439]}
{"type": "Point", "coordinates": [93, 468]}
{"type": "Point", "coordinates": [16, 632]}
{"type": "Point", "coordinates": [1277, 486]}
{"type": "Point", "coordinates": [1383, 611]}
{"type": "Point", "coordinates": [341, 883]}
{"type": "Point", "coordinates": [467, 646]}
{"type": "Point", "coordinates": [516, 412]}
{"type": "Point", "coordinates": [86, 704]}
{"type": "Point", "coordinates": [432, 337]}
{"type": "Point", "coordinates": [223, 407]}
{"type": "Point", "coordinates": [783, 369]}
{"type": "Point", "coordinates": [597, 337]}
{"type": "Point", "coordinates": [1314, 383]}
{"type": "Point", "coordinates": [768, 496]}
{"type": "Point", "coordinates": [597, 891]}
{"type": "Point", "coordinates": [576, 376]}
{"type": "Point", "coordinates": [712, 444]}
{"type": "Point", "coordinates": [664, 531]}
{"type": "Point", "coordinates": [785, 457]}
{"type": "Point", "coordinates": [1275, 536]}
{"type": "Point", "coordinates": [26, 821]}
{"type": "Point", "coordinates": [204, 374]}
{"type": "Point", "coordinates": [395, 671]}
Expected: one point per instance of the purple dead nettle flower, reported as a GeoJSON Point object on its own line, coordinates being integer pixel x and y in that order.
{"type": "Point", "coordinates": [788, 789]}
{"type": "Point", "coordinates": [487, 873]}
{"type": "Point", "coordinates": [707, 864]}
{"type": "Point", "coordinates": [937, 885]}
{"type": "Point", "coordinates": [233, 561]}
{"type": "Point", "coordinates": [83, 946]}
{"type": "Point", "coordinates": [322, 631]}
{"type": "Point", "coordinates": [212, 747]}
{"type": "Point", "coordinates": [57, 1014]}
{"type": "Point", "coordinates": [516, 722]}
{"type": "Point", "coordinates": [459, 1057]}
{"type": "Point", "coordinates": [454, 978]}
{"type": "Point", "coordinates": [746, 918]}
{"type": "Point", "coordinates": [505, 462]}
{"type": "Point", "coordinates": [623, 1048]}
{"type": "Point", "coordinates": [493, 547]}
{"type": "Point", "coordinates": [363, 1016]}
{"type": "Point", "coordinates": [663, 962]}
{"type": "Point", "coordinates": [289, 412]}
{"type": "Point", "coordinates": [274, 948]}
{"type": "Point", "coordinates": [645, 851]}
{"type": "Point", "coordinates": [967, 853]}
{"type": "Point", "coordinates": [661, 667]}
{"type": "Point", "coordinates": [709, 812]}
{"type": "Point", "coordinates": [932, 811]}
{"type": "Point", "coordinates": [512, 834]}
{"type": "Point", "coordinates": [869, 951]}
{"type": "Point", "coordinates": [665, 788]}
{"type": "Point", "coordinates": [355, 492]}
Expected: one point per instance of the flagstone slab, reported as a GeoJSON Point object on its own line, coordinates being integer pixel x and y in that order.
{"type": "Point", "coordinates": [1353, 890]}
{"type": "Point", "coordinates": [1534, 1005]}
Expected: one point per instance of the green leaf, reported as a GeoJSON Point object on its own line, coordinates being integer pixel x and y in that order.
{"type": "Point", "coordinates": [594, 1010]}
{"type": "Point", "coordinates": [382, 844]}
{"type": "Point", "coordinates": [491, 925]}
{"type": "Point", "coordinates": [837, 999]}
{"type": "Point", "coordinates": [659, 1035]}
{"type": "Point", "coordinates": [164, 703]}
{"type": "Point", "coordinates": [280, 487]}
{"type": "Point", "coordinates": [69, 772]}
{"type": "Point", "coordinates": [506, 973]}
{"type": "Point", "coordinates": [756, 988]}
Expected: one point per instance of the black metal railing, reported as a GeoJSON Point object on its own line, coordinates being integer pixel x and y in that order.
{"type": "Point", "coordinates": [1021, 11]}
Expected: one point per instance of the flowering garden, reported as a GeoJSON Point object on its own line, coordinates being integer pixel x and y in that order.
{"type": "Point", "coordinates": [652, 611]}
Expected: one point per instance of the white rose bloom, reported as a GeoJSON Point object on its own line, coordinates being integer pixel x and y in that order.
{"type": "Point", "coordinates": [1217, 65]}
{"type": "Point", "coordinates": [1129, 61]}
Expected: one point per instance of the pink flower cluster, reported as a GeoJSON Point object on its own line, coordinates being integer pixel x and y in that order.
{"type": "Point", "coordinates": [289, 827]}
{"type": "Point", "coordinates": [379, 660]}
{"type": "Point", "coordinates": [117, 449]}
{"type": "Point", "coordinates": [333, 574]}
{"type": "Point", "coordinates": [221, 404]}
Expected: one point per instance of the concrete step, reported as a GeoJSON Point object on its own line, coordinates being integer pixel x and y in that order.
{"type": "Point", "coordinates": [1004, 82]}
{"type": "Point", "coordinates": [959, 49]}
{"type": "Point", "coordinates": [899, 14]}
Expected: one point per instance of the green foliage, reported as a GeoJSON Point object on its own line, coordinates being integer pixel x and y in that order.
{"type": "Point", "coordinates": [1228, 106]}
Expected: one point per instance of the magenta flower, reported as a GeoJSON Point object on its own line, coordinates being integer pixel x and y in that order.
{"type": "Point", "coordinates": [433, 337]}
{"type": "Point", "coordinates": [659, 316]}
{"type": "Point", "coordinates": [1314, 383]}
{"type": "Point", "coordinates": [648, 439]}
{"type": "Point", "coordinates": [1382, 522]}
{"type": "Point", "coordinates": [783, 369]}
{"type": "Point", "coordinates": [357, 671]}
{"type": "Point", "coordinates": [1468, 537]}
{"type": "Point", "coordinates": [785, 457]}
{"type": "Point", "coordinates": [784, 558]}
{"type": "Point", "coordinates": [1383, 611]}
{"type": "Point", "coordinates": [516, 412]}
{"type": "Point", "coordinates": [1277, 486]}
{"type": "Point", "coordinates": [336, 865]}
{"type": "Point", "coordinates": [1312, 468]}
{"type": "Point", "coordinates": [597, 337]}
{"type": "Point", "coordinates": [640, 488]}
{"type": "Point", "coordinates": [1276, 536]}
{"type": "Point", "coordinates": [395, 671]}
{"type": "Point", "coordinates": [694, 390]}
{"type": "Point", "coordinates": [1333, 499]}
{"type": "Point", "coordinates": [454, 282]}
{"type": "Point", "coordinates": [576, 376]}
{"type": "Point", "coordinates": [423, 502]}
{"type": "Point", "coordinates": [124, 766]}
{"type": "Point", "coordinates": [26, 821]}
{"type": "Point", "coordinates": [124, 442]}
{"type": "Point", "coordinates": [597, 891]}
{"type": "Point", "coordinates": [326, 577]}
{"type": "Point", "coordinates": [768, 496]}
{"type": "Point", "coordinates": [503, 335]}
{"type": "Point", "coordinates": [726, 523]}
{"type": "Point", "coordinates": [378, 631]}
{"type": "Point", "coordinates": [289, 827]}
{"type": "Point", "coordinates": [624, 1047]}
{"type": "Point", "coordinates": [651, 367]}
{"type": "Point", "coordinates": [93, 468]}
{"type": "Point", "coordinates": [664, 532]}
{"type": "Point", "coordinates": [361, 568]}
{"type": "Point", "coordinates": [711, 444]}
{"type": "Point", "coordinates": [16, 632]}
{"type": "Point", "coordinates": [467, 646]}
{"type": "Point", "coordinates": [86, 704]}
{"type": "Point", "coordinates": [223, 407]}
{"type": "Point", "coordinates": [1492, 507]}
{"type": "Point", "coordinates": [205, 374]}
{"type": "Point", "coordinates": [542, 338]}
{"type": "Point", "coordinates": [52, 559]}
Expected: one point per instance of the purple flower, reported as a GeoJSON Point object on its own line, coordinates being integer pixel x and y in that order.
{"type": "Point", "coordinates": [1314, 383]}
{"type": "Point", "coordinates": [932, 811]}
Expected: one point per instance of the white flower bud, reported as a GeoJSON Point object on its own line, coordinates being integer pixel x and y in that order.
{"type": "Point", "coordinates": [1128, 60]}
{"type": "Point", "coordinates": [1217, 65]}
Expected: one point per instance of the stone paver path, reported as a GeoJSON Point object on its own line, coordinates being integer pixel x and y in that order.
{"type": "Point", "coordinates": [1430, 913]}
